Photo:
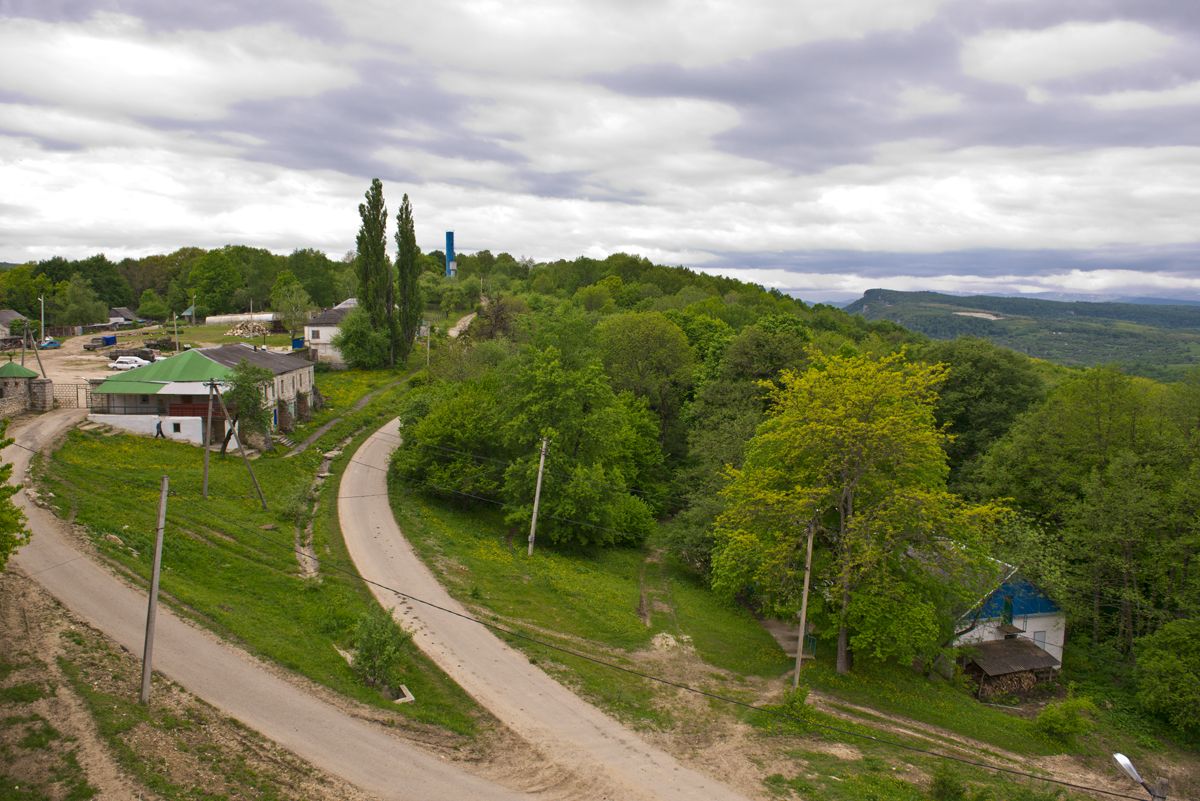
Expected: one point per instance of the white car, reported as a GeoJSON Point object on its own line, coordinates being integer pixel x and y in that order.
{"type": "Point", "coordinates": [127, 363]}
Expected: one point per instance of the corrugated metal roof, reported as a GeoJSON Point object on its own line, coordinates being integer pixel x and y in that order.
{"type": "Point", "coordinates": [110, 387]}
{"type": "Point", "coordinates": [14, 370]}
{"type": "Point", "coordinates": [998, 657]}
{"type": "Point", "coordinates": [277, 363]}
{"type": "Point", "coordinates": [191, 365]}
{"type": "Point", "coordinates": [330, 316]}
{"type": "Point", "coordinates": [1027, 599]}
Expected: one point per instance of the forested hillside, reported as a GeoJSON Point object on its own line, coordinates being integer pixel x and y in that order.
{"type": "Point", "coordinates": [719, 422]}
{"type": "Point", "coordinates": [1155, 340]}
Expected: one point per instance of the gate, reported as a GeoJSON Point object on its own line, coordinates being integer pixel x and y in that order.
{"type": "Point", "coordinates": [73, 396]}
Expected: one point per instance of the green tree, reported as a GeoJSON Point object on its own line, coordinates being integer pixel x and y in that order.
{"type": "Point", "coordinates": [76, 303]}
{"type": "Point", "coordinates": [152, 307]}
{"type": "Point", "coordinates": [987, 387]}
{"type": "Point", "coordinates": [378, 646]}
{"type": "Point", "coordinates": [363, 345]}
{"type": "Point", "coordinates": [289, 299]}
{"type": "Point", "coordinates": [317, 274]}
{"type": "Point", "coordinates": [246, 395]}
{"type": "Point", "coordinates": [850, 448]}
{"type": "Point", "coordinates": [1168, 673]}
{"type": "Point", "coordinates": [214, 278]}
{"type": "Point", "coordinates": [648, 355]}
{"type": "Point", "coordinates": [408, 274]}
{"type": "Point", "coordinates": [376, 286]}
{"type": "Point", "coordinates": [13, 532]}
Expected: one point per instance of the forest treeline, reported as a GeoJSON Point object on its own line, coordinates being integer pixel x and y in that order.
{"type": "Point", "coordinates": [234, 278]}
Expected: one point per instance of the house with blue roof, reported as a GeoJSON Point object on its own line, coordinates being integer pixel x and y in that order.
{"type": "Point", "coordinates": [1014, 636]}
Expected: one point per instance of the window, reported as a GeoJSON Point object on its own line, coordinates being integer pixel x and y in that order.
{"type": "Point", "coordinates": [1039, 637]}
{"type": "Point", "coordinates": [316, 334]}
{"type": "Point", "coordinates": [175, 428]}
{"type": "Point", "coordinates": [186, 399]}
{"type": "Point", "coordinates": [145, 399]}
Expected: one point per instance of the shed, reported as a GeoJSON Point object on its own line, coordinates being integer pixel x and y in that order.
{"type": "Point", "coordinates": [1011, 665]}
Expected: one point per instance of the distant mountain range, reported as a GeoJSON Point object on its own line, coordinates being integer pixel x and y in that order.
{"type": "Point", "coordinates": [1149, 337]}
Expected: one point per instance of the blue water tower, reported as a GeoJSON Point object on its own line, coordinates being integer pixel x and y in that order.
{"type": "Point", "coordinates": [451, 264]}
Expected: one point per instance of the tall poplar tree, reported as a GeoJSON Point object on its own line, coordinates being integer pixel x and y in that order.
{"type": "Point", "coordinates": [376, 289]}
{"type": "Point", "coordinates": [408, 270]}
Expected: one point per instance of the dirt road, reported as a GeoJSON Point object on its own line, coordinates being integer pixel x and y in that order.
{"type": "Point", "coordinates": [365, 755]}
{"type": "Point", "coordinates": [610, 760]}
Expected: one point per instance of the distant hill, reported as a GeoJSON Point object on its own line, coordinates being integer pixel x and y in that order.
{"type": "Point", "coordinates": [1156, 340]}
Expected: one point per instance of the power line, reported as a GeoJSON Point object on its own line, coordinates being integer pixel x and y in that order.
{"type": "Point", "coordinates": [706, 693]}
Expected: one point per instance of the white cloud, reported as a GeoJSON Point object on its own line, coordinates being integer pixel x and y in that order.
{"type": "Point", "coordinates": [1187, 94]}
{"type": "Point", "coordinates": [577, 37]}
{"type": "Point", "coordinates": [926, 101]}
{"type": "Point", "coordinates": [1031, 57]}
{"type": "Point", "coordinates": [113, 64]}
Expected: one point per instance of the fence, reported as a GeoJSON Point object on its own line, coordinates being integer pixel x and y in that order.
{"type": "Point", "coordinates": [73, 396]}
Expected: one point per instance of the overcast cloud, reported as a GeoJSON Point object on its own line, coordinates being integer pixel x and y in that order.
{"type": "Point", "coordinates": [822, 148]}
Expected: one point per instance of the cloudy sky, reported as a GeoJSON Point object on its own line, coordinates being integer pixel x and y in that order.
{"type": "Point", "coordinates": [819, 147]}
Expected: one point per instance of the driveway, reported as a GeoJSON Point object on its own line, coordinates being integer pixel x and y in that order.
{"type": "Point", "coordinates": [609, 758]}
{"type": "Point", "coordinates": [364, 754]}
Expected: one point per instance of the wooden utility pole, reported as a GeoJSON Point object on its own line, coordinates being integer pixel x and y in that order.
{"type": "Point", "coordinates": [37, 355]}
{"type": "Point", "coordinates": [208, 433]}
{"type": "Point", "coordinates": [152, 608]}
{"type": "Point", "coordinates": [812, 527]}
{"type": "Point", "coordinates": [537, 497]}
{"type": "Point", "coordinates": [242, 450]}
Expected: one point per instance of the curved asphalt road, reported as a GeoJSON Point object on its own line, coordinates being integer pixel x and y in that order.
{"type": "Point", "coordinates": [611, 761]}
{"type": "Point", "coordinates": [364, 754]}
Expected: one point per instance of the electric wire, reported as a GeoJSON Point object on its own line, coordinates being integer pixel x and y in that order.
{"type": "Point", "coordinates": [516, 634]}
{"type": "Point", "coordinates": [511, 632]}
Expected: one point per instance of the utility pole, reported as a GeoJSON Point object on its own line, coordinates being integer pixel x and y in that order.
{"type": "Point", "coordinates": [812, 526]}
{"type": "Point", "coordinates": [242, 450]}
{"type": "Point", "coordinates": [212, 384]}
{"type": "Point", "coordinates": [37, 355]}
{"type": "Point", "coordinates": [537, 497]}
{"type": "Point", "coordinates": [175, 318]}
{"type": "Point", "coordinates": [152, 608]}
{"type": "Point", "coordinates": [42, 300]}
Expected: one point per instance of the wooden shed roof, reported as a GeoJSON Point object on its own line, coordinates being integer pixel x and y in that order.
{"type": "Point", "coordinates": [999, 657]}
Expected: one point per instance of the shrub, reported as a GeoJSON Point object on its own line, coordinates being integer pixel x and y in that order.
{"type": "Point", "coordinates": [378, 644]}
{"type": "Point", "coordinates": [1168, 673]}
{"type": "Point", "coordinates": [947, 785]}
{"type": "Point", "coordinates": [1063, 721]}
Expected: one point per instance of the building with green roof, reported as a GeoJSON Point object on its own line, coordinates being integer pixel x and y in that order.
{"type": "Point", "coordinates": [173, 392]}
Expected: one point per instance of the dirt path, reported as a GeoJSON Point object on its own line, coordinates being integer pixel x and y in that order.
{"type": "Point", "coordinates": [366, 755]}
{"type": "Point", "coordinates": [610, 761]}
{"type": "Point", "coordinates": [360, 403]}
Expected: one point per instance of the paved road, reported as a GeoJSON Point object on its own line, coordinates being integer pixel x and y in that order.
{"type": "Point", "coordinates": [611, 760]}
{"type": "Point", "coordinates": [364, 754]}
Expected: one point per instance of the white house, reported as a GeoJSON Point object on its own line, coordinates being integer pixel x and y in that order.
{"type": "Point", "coordinates": [12, 323]}
{"type": "Point", "coordinates": [320, 331]}
{"type": "Point", "coordinates": [173, 393]}
{"type": "Point", "coordinates": [1015, 636]}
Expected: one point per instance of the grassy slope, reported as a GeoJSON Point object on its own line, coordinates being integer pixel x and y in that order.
{"type": "Point", "coordinates": [589, 603]}
{"type": "Point", "coordinates": [225, 565]}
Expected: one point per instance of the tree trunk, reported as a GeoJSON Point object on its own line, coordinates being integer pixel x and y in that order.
{"type": "Point", "coordinates": [844, 657]}
{"type": "Point", "coordinates": [228, 436]}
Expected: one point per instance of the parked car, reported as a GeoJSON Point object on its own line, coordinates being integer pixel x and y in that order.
{"type": "Point", "coordinates": [49, 344]}
{"type": "Point", "coordinates": [127, 363]}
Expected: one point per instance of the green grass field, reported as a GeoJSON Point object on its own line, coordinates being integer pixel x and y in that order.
{"type": "Point", "coordinates": [232, 565]}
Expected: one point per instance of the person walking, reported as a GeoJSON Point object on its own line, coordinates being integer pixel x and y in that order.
{"type": "Point", "coordinates": [158, 432]}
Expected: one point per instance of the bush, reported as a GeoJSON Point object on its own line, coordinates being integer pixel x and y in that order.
{"type": "Point", "coordinates": [378, 645]}
{"type": "Point", "coordinates": [1063, 721]}
{"type": "Point", "coordinates": [947, 785]}
{"type": "Point", "coordinates": [1168, 674]}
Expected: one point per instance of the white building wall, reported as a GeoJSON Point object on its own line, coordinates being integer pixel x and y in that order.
{"type": "Point", "coordinates": [1053, 625]}
{"type": "Point", "coordinates": [320, 339]}
{"type": "Point", "coordinates": [191, 429]}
